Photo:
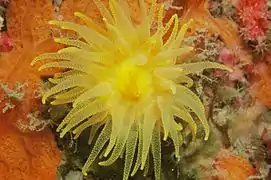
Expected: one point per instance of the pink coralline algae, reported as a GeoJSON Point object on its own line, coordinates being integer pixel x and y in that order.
{"type": "Point", "coordinates": [227, 57]}
{"type": "Point", "coordinates": [231, 59]}
{"type": "Point", "coordinates": [253, 16]}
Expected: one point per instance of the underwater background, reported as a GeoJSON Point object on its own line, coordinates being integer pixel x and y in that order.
{"type": "Point", "coordinates": [135, 89]}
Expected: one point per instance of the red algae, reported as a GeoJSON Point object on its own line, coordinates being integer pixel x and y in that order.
{"type": "Point", "coordinates": [253, 15]}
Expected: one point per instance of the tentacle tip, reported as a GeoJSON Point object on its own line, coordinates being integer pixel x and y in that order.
{"type": "Point", "coordinates": [173, 89]}
{"type": "Point", "coordinates": [57, 40]}
{"type": "Point", "coordinates": [230, 69]}
{"type": "Point", "coordinates": [106, 154]}
{"type": "Point", "coordinates": [76, 13]}
{"type": "Point", "coordinates": [190, 21]}
{"type": "Point", "coordinates": [190, 48]}
{"type": "Point", "coordinates": [206, 137]}
{"type": "Point", "coordinates": [50, 79]}
{"type": "Point", "coordinates": [74, 104]}
{"type": "Point", "coordinates": [59, 128]}
{"type": "Point", "coordinates": [54, 103]}
{"type": "Point", "coordinates": [165, 137]}
{"type": "Point", "coordinates": [141, 167]}
{"type": "Point", "coordinates": [52, 22]}
{"type": "Point", "coordinates": [43, 100]}
{"type": "Point", "coordinates": [61, 51]}
{"type": "Point", "coordinates": [102, 163]}
{"type": "Point", "coordinates": [84, 173]}
{"type": "Point", "coordinates": [33, 63]}
{"type": "Point", "coordinates": [75, 137]}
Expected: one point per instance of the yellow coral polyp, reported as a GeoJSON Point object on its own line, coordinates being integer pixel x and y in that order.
{"type": "Point", "coordinates": [124, 80]}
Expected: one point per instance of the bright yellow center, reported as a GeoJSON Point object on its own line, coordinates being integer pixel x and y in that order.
{"type": "Point", "coordinates": [133, 81]}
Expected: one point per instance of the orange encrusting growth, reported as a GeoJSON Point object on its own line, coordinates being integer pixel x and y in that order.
{"type": "Point", "coordinates": [27, 33]}
{"type": "Point", "coordinates": [261, 83]}
{"type": "Point", "coordinates": [27, 22]}
{"type": "Point", "coordinates": [232, 167]}
{"type": "Point", "coordinates": [31, 156]}
{"type": "Point", "coordinates": [14, 67]}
